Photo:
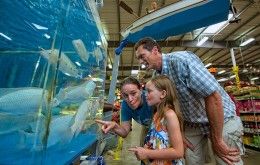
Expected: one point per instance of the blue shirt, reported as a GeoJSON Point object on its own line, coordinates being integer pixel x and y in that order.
{"type": "Point", "coordinates": [142, 115]}
{"type": "Point", "coordinates": [194, 83]}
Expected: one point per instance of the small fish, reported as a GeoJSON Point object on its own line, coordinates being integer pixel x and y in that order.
{"type": "Point", "coordinates": [81, 49]}
{"type": "Point", "coordinates": [80, 117]}
{"type": "Point", "coordinates": [84, 116]}
{"type": "Point", "coordinates": [23, 100]}
{"type": "Point", "coordinates": [98, 54]}
{"type": "Point", "coordinates": [59, 130]}
{"type": "Point", "coordinates": [75, 94]}
{"type": "Point", "coordinates": [10, 122]}
{"type": "Point", "coordinates": [66, 65]}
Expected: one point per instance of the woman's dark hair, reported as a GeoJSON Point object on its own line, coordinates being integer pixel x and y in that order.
{"type": "Point", "coordinates": [130, 80]}
{"type": "Point", "coordinates": [148, 43]}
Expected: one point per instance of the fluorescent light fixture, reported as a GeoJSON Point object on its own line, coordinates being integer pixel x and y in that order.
{"type": "Point", "coordinates": [208, 65]}
{"type": "Point", "coordinates": [134, 72]}
{"type": "Point", "coordinates": [39, 27]}
{"type": "Point", "coordinates": [98, 43]}
{"type": "Point", "coordinates": [5, 36]}
{"type": "Point", "coordinates": [109, 66]}
{"type": "Point", "coordinates": [67, 74]}
{"type": "Point", "coordinates": [254, 78]}
{"type": "Point", "coordinates": [97, 79]}
{"type": "Point", "coordinates": [47, 36]}
{"type": "Point", "coordinates": [212, 29]}
{"type": "Point", "coordinates": [247, 42]}
{"type": "Point", "coordinates": [142, 66]}
{"type": "Point", "coordinates": [222, 79]}
{"type": "Point", "coordinates": [204, 39]}
{"type": "Point", "coordinates": [244, 70]}
{"type": "Point", "coordinates": [220, 72]}
{"type": "Point", "coordinates": [233, 76]}
{"type": "Point", "coordinates": [78, 63]}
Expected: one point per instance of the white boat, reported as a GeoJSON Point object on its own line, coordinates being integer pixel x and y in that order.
{"type": "Point", "coordinates": [177, 18]}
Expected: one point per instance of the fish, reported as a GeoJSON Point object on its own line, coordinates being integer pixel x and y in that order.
{"type": "Point", "coordinates": [23, 100]}
{"type": "Point", "coordinates": [85, 115]}
{"type": "Point", "coordinates": [75, 94]}
{"type": "Point", "coordinates": [10, 122]}
{"type": "Point", "coordinates": [69, 126]}
{"type": "Point", "coordinates": [60, 132]}
{"type": "Point", "coordinates": [97, 53]}
{"type": "Point", "coordinates": [66, 65]}
{"type": "Point", "coordinates": [81, 49]}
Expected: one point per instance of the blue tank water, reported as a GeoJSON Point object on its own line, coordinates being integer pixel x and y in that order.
{"type": "Point", "coordinates": [52, 64]}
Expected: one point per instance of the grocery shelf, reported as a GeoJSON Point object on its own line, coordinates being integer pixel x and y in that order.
{"type": "Point", "coordinates": [253, 147]}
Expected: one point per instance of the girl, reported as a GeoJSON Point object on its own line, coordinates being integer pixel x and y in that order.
{"type": "Point", "coordinates": [163, 143]}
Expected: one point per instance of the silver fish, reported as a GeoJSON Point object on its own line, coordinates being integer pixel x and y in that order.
{"type": "Point", "coordinates": [23, 100]}
{"type": "Point", "coordinates": [81, 49]}
{"type": "Point", "coordinates": [66, 65]}
{"type": "Point", "coordinates": [59, 130]}
{"type": "Point", "coordinates": [75, 94]}
{"type": "Point", "coordinates": [10, 122]}
{"type": "Point", "coordinates": [80, 117]}
{"type": "Point", "coordinates": [98, 54]}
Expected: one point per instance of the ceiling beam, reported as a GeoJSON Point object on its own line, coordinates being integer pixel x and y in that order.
{"type": "Point", "coordinates": [123, 68]}
{"type": "Point", "coordinates": [191, 44]}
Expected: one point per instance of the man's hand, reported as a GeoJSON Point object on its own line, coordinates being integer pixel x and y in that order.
{"type": "Point", "coordinates": [227, 154]}
{"type": "Point", "coordinates": [140, 153]}
{"type": "Point", "coordinates": [187, 144]}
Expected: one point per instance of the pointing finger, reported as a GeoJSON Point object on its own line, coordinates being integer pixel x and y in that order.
{"type": "Point", "coordinates": [132, 149]}
{"type": "Point", "coordinates": [100, 122]}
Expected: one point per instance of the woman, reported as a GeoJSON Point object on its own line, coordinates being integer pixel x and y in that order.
{"type": "Point", "coordinates": [134, 106]}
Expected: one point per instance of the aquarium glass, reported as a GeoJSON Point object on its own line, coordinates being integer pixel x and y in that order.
{"type": "Point", "coordinates": [52, 72]}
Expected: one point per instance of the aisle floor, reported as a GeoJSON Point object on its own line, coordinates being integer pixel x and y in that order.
{"type": "Point", "coordinates": [126, 157]}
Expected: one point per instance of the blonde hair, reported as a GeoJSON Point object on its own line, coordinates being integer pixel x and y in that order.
{"type": "Point", "coordinates": [161, 83]}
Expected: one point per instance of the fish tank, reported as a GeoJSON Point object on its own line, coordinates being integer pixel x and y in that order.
{"type": "Point", "coordinates": [52, 64]}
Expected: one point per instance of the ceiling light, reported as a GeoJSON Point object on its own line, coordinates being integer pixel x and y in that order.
{"type": "Point", "coordinates": [244, 70]}
{"type": "Point", "coordinates": [233, 76]}
{"type": "Point", "coordinates": [47, 36]}
{"type": "Point", "coordinates": [78, 63]}
{"type": "Point", "coordinates": [39, 27]}
{"type": "Point", "coordinates": [208, 65]}
{"type": "Point", "coordinates": [98, 43]}
{"type": "Point", "coordinates": [109, 66]}
{"type": "Point", "coordinates": [134, 72]}
{"type": "Point", "coordinates": [5, 36]}
{"type": "Point", "coordinates": [255, 78]}
{"type": "Point", "coordinates": [204, 39]}
{"type": "Point", "coordinates": [247, 42]}
{"type": "Point", "coordinates": [142, 66]}
{"type": "Point", "coordinates": [220, 72]}
{"type": "Point", "coordinates": [222, 79]}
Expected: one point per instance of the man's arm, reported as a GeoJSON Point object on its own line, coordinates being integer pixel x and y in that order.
{"type": "Point", "coordinates": [215, 113]}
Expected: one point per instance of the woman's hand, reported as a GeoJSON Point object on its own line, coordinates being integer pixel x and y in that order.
{"type": "Point", "coordinates": [106, 125]}
{"type": "Point", "coordinates": [140, 153]}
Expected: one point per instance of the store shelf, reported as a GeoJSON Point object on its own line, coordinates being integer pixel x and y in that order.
{"type": "Point", "coordinates": [249, 133]}
{"type": "Point", "coordinates": [252, 147]}
{"type": "Point", "coordinates": [249, 112]}
{"type": "Point", "coordinates": [248, 121]}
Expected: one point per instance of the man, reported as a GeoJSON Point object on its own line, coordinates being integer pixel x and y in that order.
{"type": "Point", "coordinates": [207, 109]}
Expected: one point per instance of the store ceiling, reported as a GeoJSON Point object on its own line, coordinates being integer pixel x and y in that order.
{"type": "Point", "coordinates": [115, 19]}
